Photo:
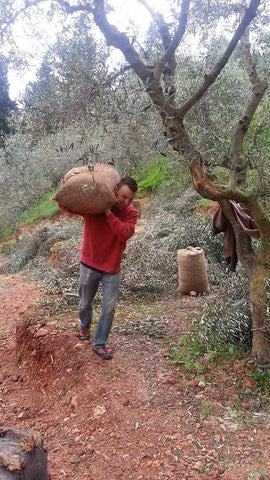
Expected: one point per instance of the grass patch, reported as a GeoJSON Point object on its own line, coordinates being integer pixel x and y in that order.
{"type": "Point", "coordinates": [155, 177]}
{"type": "Point", "coordinates": [261, 375]}
{"type": "Point", "coordinates": [5, 233]}
{"type": "Point", "coordinates": [191, 348]}
{"type": "Point", "coordinates": [204, 202]}
{"type": "Point", "coordinates": [228, 352]}
{"type": "Point", "coordinates": [206, 409]}
{"type": "Point", "coordinates": [44, 208]}
{"type": "Point", "coordinates": [8, 244]}
{"type": "Point", "coordinates": [188, 351]}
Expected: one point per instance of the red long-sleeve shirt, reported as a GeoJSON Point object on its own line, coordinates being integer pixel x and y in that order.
{"type": "Point", "coordinates": [104, 238]}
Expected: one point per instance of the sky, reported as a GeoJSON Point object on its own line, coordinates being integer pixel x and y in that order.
{"type": "Point", "coordinates": [34, 48]}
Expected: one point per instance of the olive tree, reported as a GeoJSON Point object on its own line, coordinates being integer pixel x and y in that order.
{"type": "Point", "coordinates": [160, 86]}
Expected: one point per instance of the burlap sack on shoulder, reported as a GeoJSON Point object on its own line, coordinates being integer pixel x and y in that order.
{"type": "Point", "coordinates": [86, 191]}
{"type": "Point", "coordinates": [192, 272]}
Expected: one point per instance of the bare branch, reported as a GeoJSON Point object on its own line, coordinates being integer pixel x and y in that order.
{"type": "Point", "coordinates": [167, 64]}
{"type": "Point", "coordinates": [162, 25]}
{"type": "Point", "coordinates": [72, 9]}
{"type": "Point", "coordinates": [239, 159]}
{"type": "Point", "coordinates": [211, 77]}
{"type": "Point", "coordinates": [169, 55]}
{"type": "Point", "coordinates": [119, 40]}
{"type": "Point", "coordinates": [11, 19]}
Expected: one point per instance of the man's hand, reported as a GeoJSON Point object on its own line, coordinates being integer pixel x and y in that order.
{"type": "Point", "coordinates": [108, 212]}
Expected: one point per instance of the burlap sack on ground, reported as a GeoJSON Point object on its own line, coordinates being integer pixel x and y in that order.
{"type": "Point", "coordinates": [86, 191]}
{"type": "Point", "coordinates": [192, 272]}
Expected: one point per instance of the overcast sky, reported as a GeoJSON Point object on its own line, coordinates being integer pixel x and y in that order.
{"type": "Point", "coordinates": [28, 44]}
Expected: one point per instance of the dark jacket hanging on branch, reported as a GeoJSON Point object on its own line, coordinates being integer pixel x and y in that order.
{"type": "Point", "coordinates": [222, 224]}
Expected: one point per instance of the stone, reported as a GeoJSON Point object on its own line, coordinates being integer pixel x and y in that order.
{"type": "Point", "coordinates": [42, 332]}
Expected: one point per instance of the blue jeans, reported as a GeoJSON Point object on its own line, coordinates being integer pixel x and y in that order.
{"type": "Point", "coordinates": [88, 285]}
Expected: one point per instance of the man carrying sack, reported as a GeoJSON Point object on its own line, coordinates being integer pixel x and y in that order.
{"type": "Point", "coordinates": [103, 244]}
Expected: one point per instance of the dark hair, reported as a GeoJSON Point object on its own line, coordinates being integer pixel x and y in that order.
{"type": "Point", "coordinates": [130, 182]}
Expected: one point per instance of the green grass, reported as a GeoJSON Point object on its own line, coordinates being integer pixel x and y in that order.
{"type": "Point", "coordinates": [188, 351]}
{"type": "Point", "coordinates": [155, 177]}
{"type": "Point", "coordinates": [261, 375]}
{"type": "Point", "coordinates": [204, 202]}
{"type": "Point", "coordinates": [206, 409]}
{"type": "Point", "coordinates": [5, 233]}
{"type": "Point", "coordinates": [44, 208]}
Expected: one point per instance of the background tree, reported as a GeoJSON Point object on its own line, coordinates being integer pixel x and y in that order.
{"type": "Point", "coordinates": [6, 104]}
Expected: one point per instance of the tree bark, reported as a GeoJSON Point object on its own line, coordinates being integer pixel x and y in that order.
{"type": "Point", "coordinates": [259, 309]}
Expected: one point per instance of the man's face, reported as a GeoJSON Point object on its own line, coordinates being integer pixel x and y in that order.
{"type": "Point", "coordinates": [124, 197]}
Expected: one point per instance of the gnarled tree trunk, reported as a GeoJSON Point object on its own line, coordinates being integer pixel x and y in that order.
{"type": "Point", "coordinates": [260, 307]}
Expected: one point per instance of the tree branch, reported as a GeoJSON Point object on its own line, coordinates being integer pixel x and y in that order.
{"type": "Point", "coordinates": [72, 9]}
{"type": "Point", "coordinates": [239, 160]}
{"type": "Point", "coordinates": [11, 20]}
{"type": "Point", "coordinates": [169, 55]}
{"type": "Point", "coordinates": [219, 193]}
{"type": "Point", "coordinates": [167, 64]}
{"type": "Point", "coordinates": [119, 40]}
{"type": "Point", "coordinates": [162, 25]}
{"type": "Point", "coordinates": [211, 77]}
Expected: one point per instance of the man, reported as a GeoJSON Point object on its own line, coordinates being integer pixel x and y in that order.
{"type": "Point", "coordinates": [104, 241]}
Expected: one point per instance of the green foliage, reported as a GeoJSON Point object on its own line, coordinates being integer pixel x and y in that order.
{"type": "Point", "coordinates": [5, 233]}
{"type": "Point", "coordinates": [227, 351]}
{"type": "Point", "coordinates": [188, 351]}
{"type": "Point", "coordinates": [67, 80]}
{"type": "Point", "coordinates": [45, 208]}
{"type": "Point", "coordinates": [191, 347]}
{"type": "Point", "coordinates": [204, 202]}
{"type": "Point", "coordinates": [155, 177]}
{"type": "Point", "coordinates": [206, 409]}
{"type": "Point", "coordinates": [222, 174]}
{"type": "Point", "coordinates": [261, 375]}
{"type": "Point", "coordinates": [263, 473]}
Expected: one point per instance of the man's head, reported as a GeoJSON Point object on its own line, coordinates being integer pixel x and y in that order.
{"type": "Point", "coordinates": [125, 191]}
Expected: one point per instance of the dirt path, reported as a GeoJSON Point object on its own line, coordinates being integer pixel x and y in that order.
{"type": "Point", "coordinates": [136, 417]}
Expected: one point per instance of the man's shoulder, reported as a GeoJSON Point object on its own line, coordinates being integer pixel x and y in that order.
{"type": "Point", "coordinates": [131, 212]}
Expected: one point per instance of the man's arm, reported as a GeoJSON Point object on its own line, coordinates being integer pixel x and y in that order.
{"type": "Point", "coordinates": [123, 230]}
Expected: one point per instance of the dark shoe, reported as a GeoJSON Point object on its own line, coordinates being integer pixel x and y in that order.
{"type": "Point", "coordinates": [103, 352]}
{"type": "Point", "coordinates": [83, 334]}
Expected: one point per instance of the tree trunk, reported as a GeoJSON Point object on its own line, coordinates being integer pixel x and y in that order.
{"type": "Point", "coordinates": [260, 309]}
